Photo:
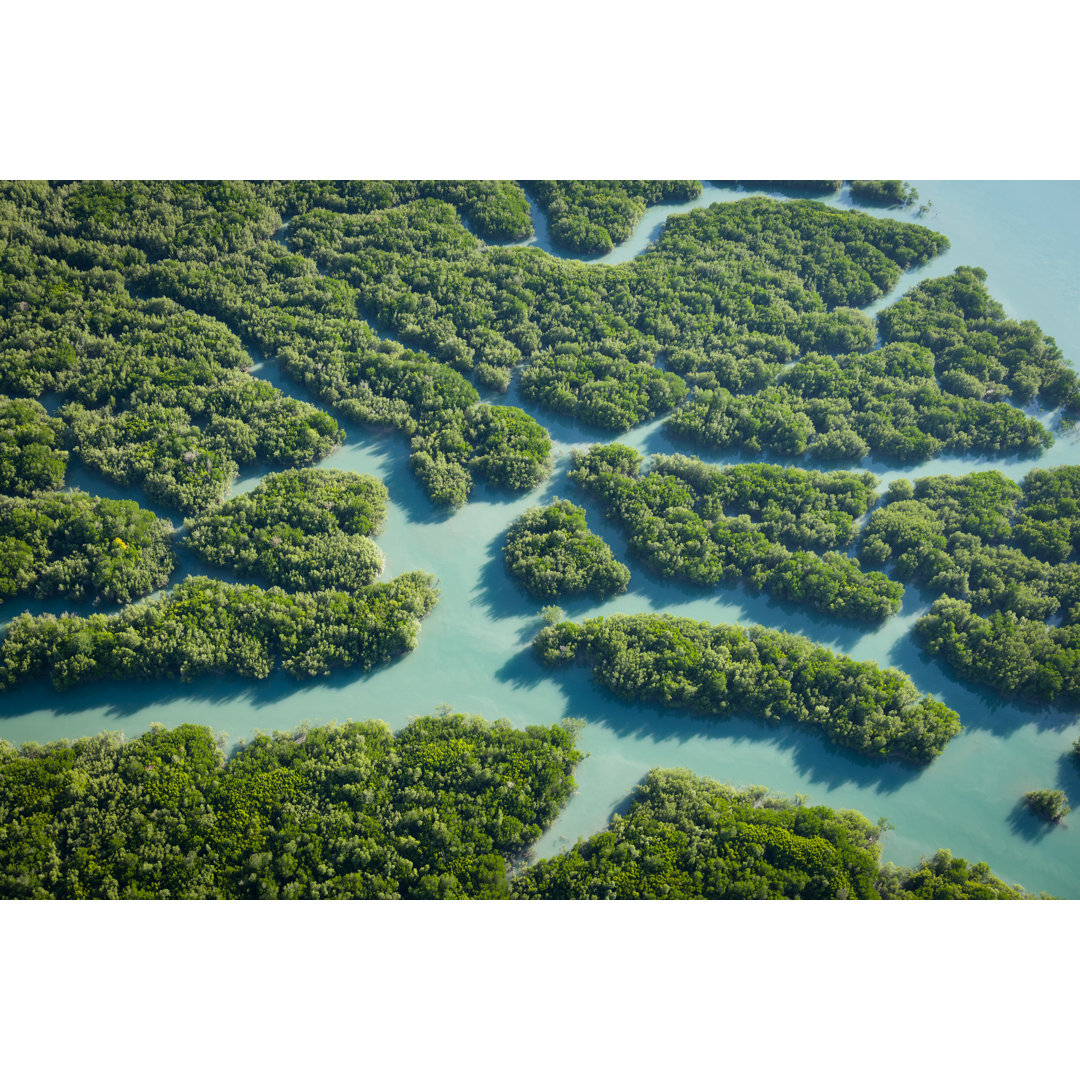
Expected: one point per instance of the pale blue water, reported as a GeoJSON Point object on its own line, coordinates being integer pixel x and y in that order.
{"type": "Point", "coordinates": [474, 654]}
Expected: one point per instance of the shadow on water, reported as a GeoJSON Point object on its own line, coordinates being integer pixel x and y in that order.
{"type": "Point", "coordinates": [118, 700]}
{"type": "Point", "coordinates": [1068, 778]}
{"type": "Point", "coordinates": [502, 597]}
{"type": "Point", "coordinates": [818, 760]}
{"type": "Point", "coordinates": [980, 708]}
{"type": "Point", "coordinates": [1026, 824]}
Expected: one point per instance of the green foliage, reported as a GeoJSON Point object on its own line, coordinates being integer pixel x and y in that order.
{"type": "Point", "coordinates": [496, 210]}
{"type": "Point", "coordinates": [1014, 655]}
{"type": "Point", "coordinates": [30, 457]}
{"type": "Point", "coordinates": [885, 192]}
{"type": "Point", "coordinates": [728, 293]}
{"type": "Point", "coordinates": [943, 877]}
{"type": "Point", "coordinates": [351, 811]}
{"type": "Point", "coordinates": [205, 626]}
{"type": "Point", "coordinates": [722, 669]}
{"type": "Point", "coordinates": [155, 395]}
{"type": "Point", "coordinates": [551, 614]}
{"type": "Point", "coordinates": [592, 216]}
{"type": "Point", "coordinates": [978, 352]}
{"type": "Point", "coordinates": [302, 529]}
{"type": "Point", "coordinates": [840, 407]}
{"type": "Point", "coordinates": [1052, 805]}
{"type": "Point", "coordinates": [705, 524]}
{"type": "Point", "coordinates": [119, 224]}
{"type": "Point", "coordinates": [552, 552]}
{"type": "Point", "coordinates": [685, 837]}
{"type": "Point", "coordinates": [82, 547]}
{"type": "Point", "coordinates": [310, 324]}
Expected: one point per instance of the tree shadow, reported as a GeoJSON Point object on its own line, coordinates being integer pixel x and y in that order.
{"type": "Point", "coordinates": [1029, 826]}
{"type": "Point", "coordinates": [980, 707]}
{"type": "Point", "coordinates": [1068, 778]}
{"type": "Point", "coordinates": [119, 699]}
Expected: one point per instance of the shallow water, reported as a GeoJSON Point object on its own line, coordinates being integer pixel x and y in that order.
{"type": "Point", "coordinates": [473, 650]}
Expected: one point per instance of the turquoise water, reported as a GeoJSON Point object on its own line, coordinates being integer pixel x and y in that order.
{"type": "Point", "coordinates": [474, 655]}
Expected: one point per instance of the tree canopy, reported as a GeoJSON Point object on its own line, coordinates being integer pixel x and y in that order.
{"type": "Point", "coordinates": [350, 811]}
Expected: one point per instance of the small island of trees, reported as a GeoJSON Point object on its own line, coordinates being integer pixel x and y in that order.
{"type": "Point", "coordinates": [553, 553]}
{"type": "Point", "coordinates": [721, 669]}
{"type": "Point", "coordinates": [1049, 804]}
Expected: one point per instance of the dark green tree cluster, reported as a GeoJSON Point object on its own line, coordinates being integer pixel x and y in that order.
{"type": "Point", "coordinates": [1012, 654]}
{"type": "Point", "coordinates": [31, 459]}
{"type": "Point", "coordinates": [496, 210]}
{"type": "Point", "coordinates": [685, 837]}
{"type": "Point", "coordinates": [978, 353]}
{"type": "Point", "coordinates": [795, 187]}
{"type": "Point", "coordinates": [303, 529]}
{"type": "Point", "coordinates": [721, 669]}
{"type": "Point", "coordinates": [840, 408]}
{"type": "Point", "coordinates": [83, 547]}
{"type": "Point", "coordinates": [553, 553]}
{"type": "Point", "coordinates": [310, 324]}
{"type": "Point", "coordinates": [884, 192]}
{"type": "Point", "coordinates": [705, 524]}
{"type": "Point", "coordinates": [156, 395]}
{"type": "Point", "coordinates": [119, 224]}
{"type": "Point", "coordinates": [206, 626]}
{"type": "Point", "coordinates": [730, 293]}
{"type": "Point", "coordinates": [970, 537]}
{"type": "Point", "coordinates": [349, 811]}
{"type": "Point", "coordinates": [592, 216]}
{"type": "Point", "coordinates": [943, 876]}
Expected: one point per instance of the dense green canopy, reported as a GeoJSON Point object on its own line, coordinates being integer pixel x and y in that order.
{"type": "Point", "coordinates": [207, 626]}
{"type": "Point", "coordinates": [685, 837]}
{"type": "Point", "coordinates": [721, 669]}
{"type": "Point", "coordinates": [82, 547]}
{"type": "Point", "coordinates": [552, 552]}
{"type": "Point", "coordinates": [436, 810]}
{"type": "Point", "coordinates": [705, 524]}
{"type": "Point", "coordinates": [301, 529]}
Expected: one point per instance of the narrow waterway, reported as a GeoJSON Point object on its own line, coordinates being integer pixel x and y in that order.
{"type": "Point", "coordinates": [474, 655]}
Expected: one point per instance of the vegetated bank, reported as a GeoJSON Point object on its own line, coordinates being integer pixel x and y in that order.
{"type": "Point", "coordinates": [706, 525]}
{"type": "Point", "coordinates": [351, 811]}
{"type": "Point", "coordinates": [151, 395]}
{"type": "Point", "coordinates": [553, 553]}
{"type": "Point", "coordinates": [685, 837]}
{"type": "Point", "coordinates": [207, 626]}
{"type": "Point", "coordinates": [721, 669]}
